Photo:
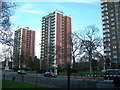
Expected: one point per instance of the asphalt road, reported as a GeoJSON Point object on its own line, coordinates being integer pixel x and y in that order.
{"type": "Point", "coordinates": [59, 82]}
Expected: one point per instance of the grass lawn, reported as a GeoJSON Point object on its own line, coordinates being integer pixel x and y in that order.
{"type": "Point", "coordinates": [13, 84]}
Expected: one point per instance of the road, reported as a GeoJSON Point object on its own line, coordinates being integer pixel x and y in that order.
{"type": "Point", "coordinates": [59, 82]}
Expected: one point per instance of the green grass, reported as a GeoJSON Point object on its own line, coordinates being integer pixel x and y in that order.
{"type": "Point", "coordinates": [9, 70]}
{"type": "Point", "coordinates": [16, 71]}
{"type": "Point", "coordinates": [13, 84]}
{"type": "Point", "coordinates": [62, 73]}
{"type": "Point", "coordinates": [31, 72]}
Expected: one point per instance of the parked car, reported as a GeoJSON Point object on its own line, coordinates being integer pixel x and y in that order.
{"type": "Point", "coordinates": [49, 74]}
{"type": "Point", "coordinates": [22, 72]}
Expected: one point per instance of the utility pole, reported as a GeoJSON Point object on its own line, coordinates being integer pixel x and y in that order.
{"type": "Point", "coordinates": [68, 76]}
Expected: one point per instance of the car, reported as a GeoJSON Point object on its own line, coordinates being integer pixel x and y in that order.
{"type": "Point", "coordinates": [22, 72]}
{"type": "Point", "coordinates": [50, 74]}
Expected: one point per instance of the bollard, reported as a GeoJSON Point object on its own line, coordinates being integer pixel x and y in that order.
{"type": "Point", "coordinates": [4, 76]}
{"type": "Point", "coordinates": [22, 78]}
{"type": "Point", "coordinates": [13, 78]}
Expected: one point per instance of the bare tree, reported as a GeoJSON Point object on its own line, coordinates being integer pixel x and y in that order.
{"type": "Point", "coordinates": [91, 41]}
{"type": "Point", "coordinates": [76, 47]}
{"type": "Point", "coordinates": [6, 11]}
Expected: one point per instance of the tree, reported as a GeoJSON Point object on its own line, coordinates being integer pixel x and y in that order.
{"type": "Point", "coordinates": [33, 63]}
{"type": "Point", "coordinates": [76, 48]}
{"type": "Point", "coordinates": [94, 64]}
{"type": "Point", "coordinates": [6, 10]}
{"type": "Point", "coordinates": [91, 41]}
{"type": "Point", "coordinates": [108, 62]}
{"type": "Point", "coordinates": [37, 63]}
{"type": "Point", "coordinates": [30, 62]}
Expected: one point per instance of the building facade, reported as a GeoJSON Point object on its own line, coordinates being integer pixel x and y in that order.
{"type": "Point", "coordinates": [24, 46]}
{"type": "Point", "coordinates": [111, 31]}
{"type": "Point", "coordinates": [55, 39]}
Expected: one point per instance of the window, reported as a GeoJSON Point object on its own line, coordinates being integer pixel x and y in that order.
{"type": "Point", "coordinates": [106, 35]}
{"type": "Point", "coordinates": [112, 23]}
{"type": "Point", "coordinates": [112, 15]}
{"type": "Point", "coordinates": [113, 42]}
{"type": "Point", "coordinates": [104, 13]}
{"type": "Point", "coordinates": [118, 37]}
{"type": "Point", "coordinates": [114, 52]}
{"type": "Point", "coordinates": [111, 10]}
{"type": "Point", "coordinates": [106, 21]}
{"type": "Point", "coordinates": [113, 28]}
{"type": "Point", "coordinates": [106, 30]}
{"type": "Point", "coordinates": [107, 54]}
{"type": "Point", "coordinates": [114, 47]}
{"type": "Point", "coordinates": [115, 56]}
{"type": "Point", "coordinates": [113, 33]}
{"type": "Point", "coordinates": [114, 37]}
{"type": "Point", "coordinates": [107, 49]}
{"type": "Point", "coordinates": [106, 26]}
{"type": "Point", "coordinates": [106, 39]}
{"type": "Point", "coordinates": [103, 5]}
{"type": "Point", "coordinates": [112, 19]}
{"type": "Point", "coordinates": [115, 61]}
{"type": "Point", "coordinates": [111, 6]}
{"type": "Point", "coordinates": [105, 17]}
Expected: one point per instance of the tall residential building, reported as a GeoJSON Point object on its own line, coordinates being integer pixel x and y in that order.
{"type": "Point", "coordinates": [24, 46]}
{"type": "Point", "coordinates": [111, 30]}
{"type": "Point", "coordinates": [55, 39]}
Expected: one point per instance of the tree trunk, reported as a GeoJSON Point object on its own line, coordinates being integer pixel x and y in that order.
{"type": "Point", "coordinates": [73, 62]}
{"type": "Point", "coordinates": [90, 60]}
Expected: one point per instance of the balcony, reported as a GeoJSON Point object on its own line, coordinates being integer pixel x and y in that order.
{"type": "Point", "coordinates": [52, 24]}
{"type": "Point", "coordinates": [52, 18]}
{"type": "Point", "coordinates": [52, 33]}
{"type": "Point", "coordinates": [105, 22]}
{"type": "Point", "coordinates": [104, 9]}
{"type": "Point", "coordinates": [107, 49]}
{"type": "Point", "coordinates": [106, 40]}
{"type": "Point", "coordinates": [106, 35]}
{"type": "Point", "coordinates": [52, 30]}
{"type": "Point", "coordinates": [105, 17]}
{"type": "Point", "coordinates": [105, 26]}
{"type": "Point", "coordinates": [52, 27]}
{"type": "Point", "coordinates": [106, 30]}
{"type": "Point", "coordinates": [103, 5]}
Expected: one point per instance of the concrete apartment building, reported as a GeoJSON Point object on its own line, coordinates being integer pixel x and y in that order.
{"type": "Point", "coordinates": [55, 39]}
{"type": "Point", "coordinates": [111, 30]}
{"type": "Point", "coordinates": [24, 46]}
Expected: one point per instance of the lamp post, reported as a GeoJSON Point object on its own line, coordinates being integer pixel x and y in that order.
{"type": "Point", "coordinates": [68, 76]}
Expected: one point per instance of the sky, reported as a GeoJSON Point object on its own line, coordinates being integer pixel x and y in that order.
{"type": "Point", "coordinates": [29, 14]}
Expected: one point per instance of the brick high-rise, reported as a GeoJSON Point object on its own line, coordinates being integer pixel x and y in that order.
{"type": "Point", "coordinates": [111, 30]}
{"type": "Point", "coordinates": [56, 39]}
{"type": "Point", "coordinates": [24, 46]}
